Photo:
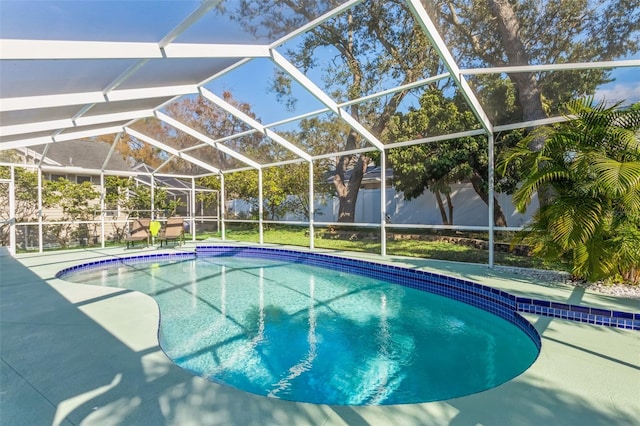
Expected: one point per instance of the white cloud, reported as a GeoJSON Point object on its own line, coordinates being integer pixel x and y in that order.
{"type": "Point", "coordinates": [628, 92]}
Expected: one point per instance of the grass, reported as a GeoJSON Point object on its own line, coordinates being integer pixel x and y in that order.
{"type": "Point", "coordinates": [441, 250]}
{"type": "Point", "coordinates": [412, 248]}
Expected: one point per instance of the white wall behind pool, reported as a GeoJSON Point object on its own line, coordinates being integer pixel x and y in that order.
{"type": "Point", "coordinates": [468, 208]}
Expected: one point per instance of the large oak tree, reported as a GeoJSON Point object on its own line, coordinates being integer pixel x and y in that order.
{"type": "Point", "coordinates": [378, 42]}
{"type": "Point", "coordinates": [498, 33]}
{"type": "Point", "coordinates": [372, 45]}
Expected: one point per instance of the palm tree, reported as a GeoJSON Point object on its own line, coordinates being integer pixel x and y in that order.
{"type": "Point", "coordinates": [591, 166]}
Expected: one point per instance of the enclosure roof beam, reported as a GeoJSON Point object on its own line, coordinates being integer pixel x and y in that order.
{"type": "Point", "coordinates": [52, 101]}
{"type": "Point", "coordinates": [116, 141]}
{"type": "Point", "coordinates": [170, 150]}
{"type": "Point", "coordinates": [298, 76]}
{"type": "Point", "coordinates": [254, 123]}
{"type": "Point", "coordinates": [450, 136]}
{"type": "Point", "coordinates": [59, 137]}
{"type": "Point", "coordinates": [298, 117]}
{"type": "Point", "coordinates": [341, 153]}
{"type": "Point", "coordinates": [24, 143]}
{"type": "Point", "coordinates": [236, 135]}
{"type": "Point", "coordinates": [87, 133]}
{"type": "Point", "coordinates": [195, 16]}
{"type": "Point", "coordinates": [64, 50]}
{"type": "Point", "coordinates": [42, 126]}
{"type": "Point", "coordinates": [70, 123]}
{"type": "Point", "coordinates": [438, 43]}
{"type": "Point", "coordinates": [419, 83]}
{"type": "Point", "coordinates": [110, 118]}
{"type": "Point", "coordinates": [201, 50]}
{"type": "Point", "coordinates": [240, 169]}
{"type": "Point", "coordinates": [569, 66]}
{"type": "Point", "coordinates": [150, 92]}
{"type": "Point", "coordinates": [203, 138]}
{"type": "Point", "coordinates": [318, 21]}
{"type": "Point", "coordinates": [79, 170]}
{"type": "Point", "coordinates": [533, 123]}
{"type": "Point", "coordinates": [284, 163]}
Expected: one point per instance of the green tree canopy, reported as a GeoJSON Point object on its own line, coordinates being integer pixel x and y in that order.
{"type": "Point", "coordinates": [378, 44]}
{"type": "Point", "coordinates": [374, 44]}
{"type": "Point", "coordinates": [502, 32]}
{"type": "Point", "coordinates": [434, 166]}
{"type": "Point", "coordinates": [285, 189]}
{"type": "Point", "coordinates": [78, 201]}
{"type": "Point", "coordinates": [26, 195]}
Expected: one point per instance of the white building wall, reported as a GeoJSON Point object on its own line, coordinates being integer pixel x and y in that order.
{"type": "Point", "coordinates": [468, 208]}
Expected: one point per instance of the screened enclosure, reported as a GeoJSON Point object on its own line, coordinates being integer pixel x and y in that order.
{"type": "Point", "coordinates": [375, 121]}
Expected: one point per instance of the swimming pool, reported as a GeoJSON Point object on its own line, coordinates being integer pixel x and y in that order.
{"type": "Point", "coordinates": [278, 324]}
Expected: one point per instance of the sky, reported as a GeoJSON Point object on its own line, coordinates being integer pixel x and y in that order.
{"type": "Point", "coordinates": [149, 21]}
{"type": "Point", "coordinates": [625, 86]}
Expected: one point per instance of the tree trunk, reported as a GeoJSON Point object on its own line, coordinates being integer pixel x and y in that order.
{"type": "Point", "coordinates": [348, 193]}
{"type": "Point", "coordinates": [443, 213]}
{"type": "Point", "coordinates": [348, 190]}
{"type": "Point", "coordinates": [450, 206]}
{"type": "Point", "coordinates": [528, 92]}
{"type": "Point", "coordinates": [347, 210]}
{"type": "Point", "coordinates": [499, 218]}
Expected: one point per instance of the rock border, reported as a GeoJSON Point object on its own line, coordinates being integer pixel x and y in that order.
{"type": "Point", "coordinates": [551, 278]}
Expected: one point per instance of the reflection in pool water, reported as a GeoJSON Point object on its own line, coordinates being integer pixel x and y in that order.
{"type": "Point", "coordinates": [311, 334]}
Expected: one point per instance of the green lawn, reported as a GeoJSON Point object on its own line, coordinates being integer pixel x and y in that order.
{"type": "Point", "coordinates": [412, 248]}
{"type": "Point", "coordinates": [296, 236]}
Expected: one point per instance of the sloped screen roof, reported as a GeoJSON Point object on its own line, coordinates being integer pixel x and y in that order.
{"type": "Point", "coordinates": [254, 96]}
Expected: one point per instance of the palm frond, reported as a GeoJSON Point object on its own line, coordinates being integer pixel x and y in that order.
{"type": "Point", "coordinates": [630, 200]}
{"type": "Point", "coordinates": [572, 220]}
{"type": "Point", "coordinates": [616, 177]}
{"type": "Point", "coordinates": [524, 194]}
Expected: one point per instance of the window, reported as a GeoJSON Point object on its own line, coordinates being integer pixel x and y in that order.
{"type": "Point", "coordinates": [82, 179]}
{"type": "Point", "coordinates": [54, 177]}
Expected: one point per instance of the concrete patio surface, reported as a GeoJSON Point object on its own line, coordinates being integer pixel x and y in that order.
{"type": "Point", "coordinates": [77, 354]}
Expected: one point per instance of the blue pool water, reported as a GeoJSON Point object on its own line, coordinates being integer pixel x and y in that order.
{"type": "Point", "coordinates": [311, 334]}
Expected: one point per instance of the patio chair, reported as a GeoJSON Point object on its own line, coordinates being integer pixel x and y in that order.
{"type": "Point", "coordinates": [139, 231]}
{"type": "Point", "coordinates": [173, 231]}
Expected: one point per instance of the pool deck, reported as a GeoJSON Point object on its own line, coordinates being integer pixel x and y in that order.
{"type": "Point", "coordinates": [77, 354]}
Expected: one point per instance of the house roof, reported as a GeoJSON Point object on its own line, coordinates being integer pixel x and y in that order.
{"type": "Point", "coordinates": [84, 154]}
{"type": "Point", "coordinates": [173, 184]}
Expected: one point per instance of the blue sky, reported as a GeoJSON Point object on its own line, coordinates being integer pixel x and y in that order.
{"type": "Point", "coordinates": [625, 87]}
{"type": "Point", "coordinates": [113, 20]}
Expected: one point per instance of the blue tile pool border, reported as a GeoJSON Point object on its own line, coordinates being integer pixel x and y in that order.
{"type": "Point", "coordinates": [488, 298]}
{"type": "Point", "coordinates": [128, 260]}
{"type": "Point", "coordinates": [498, 302]}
